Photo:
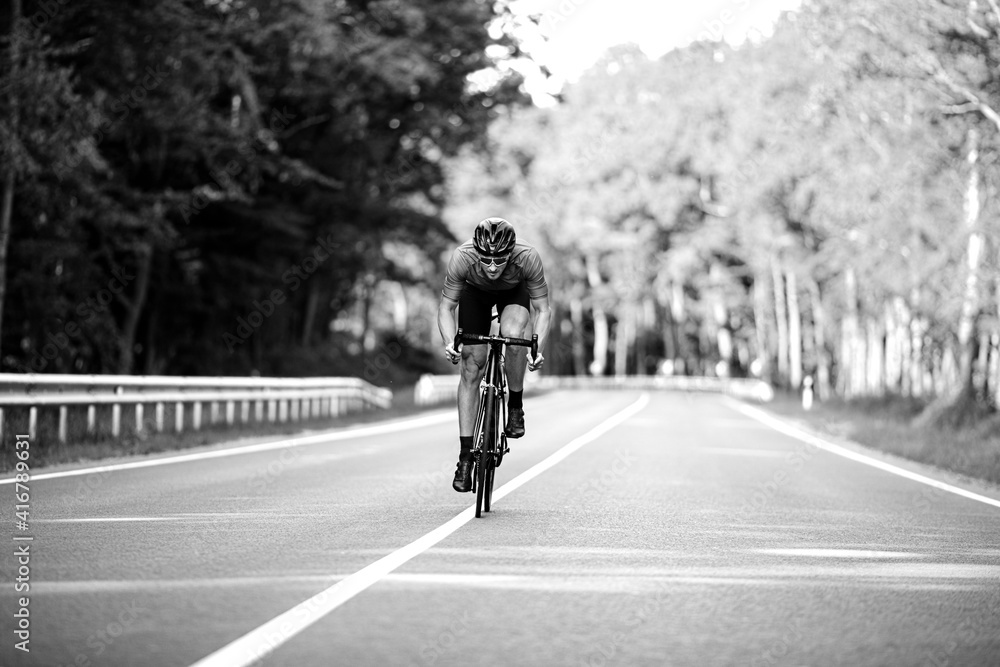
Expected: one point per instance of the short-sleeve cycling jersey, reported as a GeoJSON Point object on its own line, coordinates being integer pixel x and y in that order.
{"type": "Point", "coordinates": [525, 266]}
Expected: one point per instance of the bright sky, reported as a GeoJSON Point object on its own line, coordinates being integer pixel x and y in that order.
{"type": "Point", "coordinates": [579, 31]}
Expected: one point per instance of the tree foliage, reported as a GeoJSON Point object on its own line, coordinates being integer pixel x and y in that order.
{"type": "Point", "coordinates": [209, 186]}
{"type": "Point", "coordinates": [795, 206]}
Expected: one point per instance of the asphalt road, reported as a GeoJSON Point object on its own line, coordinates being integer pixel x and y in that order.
{"type": "Point", "coordinates": [683, 532]}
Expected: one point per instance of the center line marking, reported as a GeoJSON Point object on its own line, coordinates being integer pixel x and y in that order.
{"type": "Point", "coordinates": [257, 643]}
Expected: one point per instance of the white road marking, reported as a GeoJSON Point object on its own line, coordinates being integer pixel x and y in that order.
{"type": "Point", "coordinates": [838, 553]}
{"type": "Point", "coordinates": [257, 643]}
{"type": "Point", "coordinates": [110, 519]}
{"type": "Point", "coordinates": [345, 434]}
{"type": "Point", "coordinates": [808, 438]}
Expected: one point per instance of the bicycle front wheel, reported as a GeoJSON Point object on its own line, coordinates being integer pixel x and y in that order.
{"type": "Point", "coordinates": [485, 462]}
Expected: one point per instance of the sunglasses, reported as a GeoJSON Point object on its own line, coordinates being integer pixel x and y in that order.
{"type": "Point", "coordinates": [498, 261]}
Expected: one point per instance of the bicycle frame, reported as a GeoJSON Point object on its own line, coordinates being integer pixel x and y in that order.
{"type": "Point", "coordinates": [490, 441]}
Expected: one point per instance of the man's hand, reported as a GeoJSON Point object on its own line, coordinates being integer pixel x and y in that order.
{"type": "Point", "coordinates": [535, 363]}
{"type": "Point", "coordinates": [451, 354]}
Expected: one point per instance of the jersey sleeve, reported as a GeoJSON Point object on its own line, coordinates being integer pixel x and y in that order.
{"type": "Point", "coordinates": [534, 275]}
{"type": "Point", "coordinates": [454, 278]}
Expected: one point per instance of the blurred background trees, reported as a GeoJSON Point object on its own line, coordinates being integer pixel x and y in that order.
{"type": "Point", "coordinates": [818, 203]}
{"type": "Point", "coordinates": [169, 166]}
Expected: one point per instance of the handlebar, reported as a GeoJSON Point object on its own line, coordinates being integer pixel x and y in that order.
{"type": "Point", "coordinates": [462, 337]}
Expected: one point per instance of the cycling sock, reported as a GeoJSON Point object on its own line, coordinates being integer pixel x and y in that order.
{"type": "Point", "coordinates": [466, 441]}
{"type": "Point", "coordinates": [515, 400]}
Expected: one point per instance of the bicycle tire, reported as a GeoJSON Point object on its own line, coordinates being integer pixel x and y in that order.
{"type": "Point", "coordinates": [496, 428]}
{"type": "Point", "coordinates": [485, 454]}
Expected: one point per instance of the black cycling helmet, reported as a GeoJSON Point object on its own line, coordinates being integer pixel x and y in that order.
{"type": "Point", "coordinates": [494, 237]}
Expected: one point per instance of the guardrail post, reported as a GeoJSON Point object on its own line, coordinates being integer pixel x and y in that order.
{"type": "Point", "coordinates": [63, 414]}
{"type": "Point", "coordinates": [116, 420]}
{"type": "Point", "coordinates": [91, 419]}
{"type": "Point", "coordinates": [272, 410]}
{"type": "Point", "coordinates": [214, 412]}
{"type": "Point", "coordinates": [178, 417]}
{"type": "Point", "coordinates": [196, 415]}
{"type": "Point", "coordinates": [258, 411]}
{"type": "Point", "coordinates": [32, 421]}
{"type": "Point", "coordinates": [159, 417]}
{"type": "Point", "coordinates": [139, 417]}
{"type": "Point", "coordinates": [244, 412]}
{"type": "Point", "coordinates": [230, 412]}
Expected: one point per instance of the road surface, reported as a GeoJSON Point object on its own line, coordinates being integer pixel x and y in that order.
{"type": "Point", "coordinates": [628, 529]}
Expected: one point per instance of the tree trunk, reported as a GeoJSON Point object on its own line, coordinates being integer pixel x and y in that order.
{"type": "Point", "coordinates": [600, 320]}
{"type": "Point", "coordinates": [133, 310]}
{"type": "Point", "coordinates": [848, 370]}
{"type": "Point", "coordinates": [875, 371]}
{"type": "Point", "coordinates": [781, 319]}
{"type": "Point", "coordinates": [678, 313]}
{"type": "Point", "coordinates": [309, 317]}
{"type": "Point", "coordinates": [624, 335]}
{"type": "Point", "coordinates": [823, 388]}
{"type": "Point", "coordinates": [6, 213]}
{"type": "Point", "coordinates": [760, 323]}
{"type": "Point", "coordinates": [970, 300]}
{"type": "Point", "coordinates": [9, 176]}
{"type": "Point", "coordinates": [579, 354]}
{"type": "Point", "coordinates": [794, 331]}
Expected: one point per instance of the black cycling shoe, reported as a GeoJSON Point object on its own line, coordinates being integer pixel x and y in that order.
{"type": "Point", "coordinates": [463, 476]}
{"type": "Point", "coordinates": [515, 423]}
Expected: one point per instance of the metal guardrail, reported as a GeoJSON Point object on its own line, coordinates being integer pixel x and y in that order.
{"type": "Point", "coordinates": [434, 389]}
{"type": "Point", "coordinates": [284, 399]}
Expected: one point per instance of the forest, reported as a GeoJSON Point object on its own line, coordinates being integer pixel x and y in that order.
{"type": "Point", "coordinates": [226, 187]}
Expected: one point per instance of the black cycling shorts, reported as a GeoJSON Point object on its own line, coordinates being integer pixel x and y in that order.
{"type": "Point", "coordinates": [475, 306]}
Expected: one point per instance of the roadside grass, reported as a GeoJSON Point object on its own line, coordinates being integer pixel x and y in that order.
{"type": "Point", "coordinates": [892, 424]}
{"type": "Point", "coordinates": [48, 451]}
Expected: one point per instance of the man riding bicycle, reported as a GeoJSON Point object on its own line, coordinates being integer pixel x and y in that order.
{"type": "Point", "coordinates": [491, 269]}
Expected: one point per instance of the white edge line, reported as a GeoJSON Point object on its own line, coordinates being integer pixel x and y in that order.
{"type": "Point", "coordinates": [347, 433]}
{"type": "Point", "coordinates": [257, 643]}
{"type": "Point", "coordinates": [806, 437]}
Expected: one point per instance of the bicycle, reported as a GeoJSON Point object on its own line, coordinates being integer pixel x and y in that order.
{"type": "Point", "coordinates": [489, 439]}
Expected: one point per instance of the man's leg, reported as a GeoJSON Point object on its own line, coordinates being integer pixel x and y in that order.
{"type": "Point", "coordinates": [473, 365]}
{"type": "Point", "coordinates": [473, 317]}
{"type": "Point", "coordinates": [514, 323]}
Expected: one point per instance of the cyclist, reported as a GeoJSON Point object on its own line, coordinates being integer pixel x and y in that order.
{"type": "Point", "coordinates": [491, 269]}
